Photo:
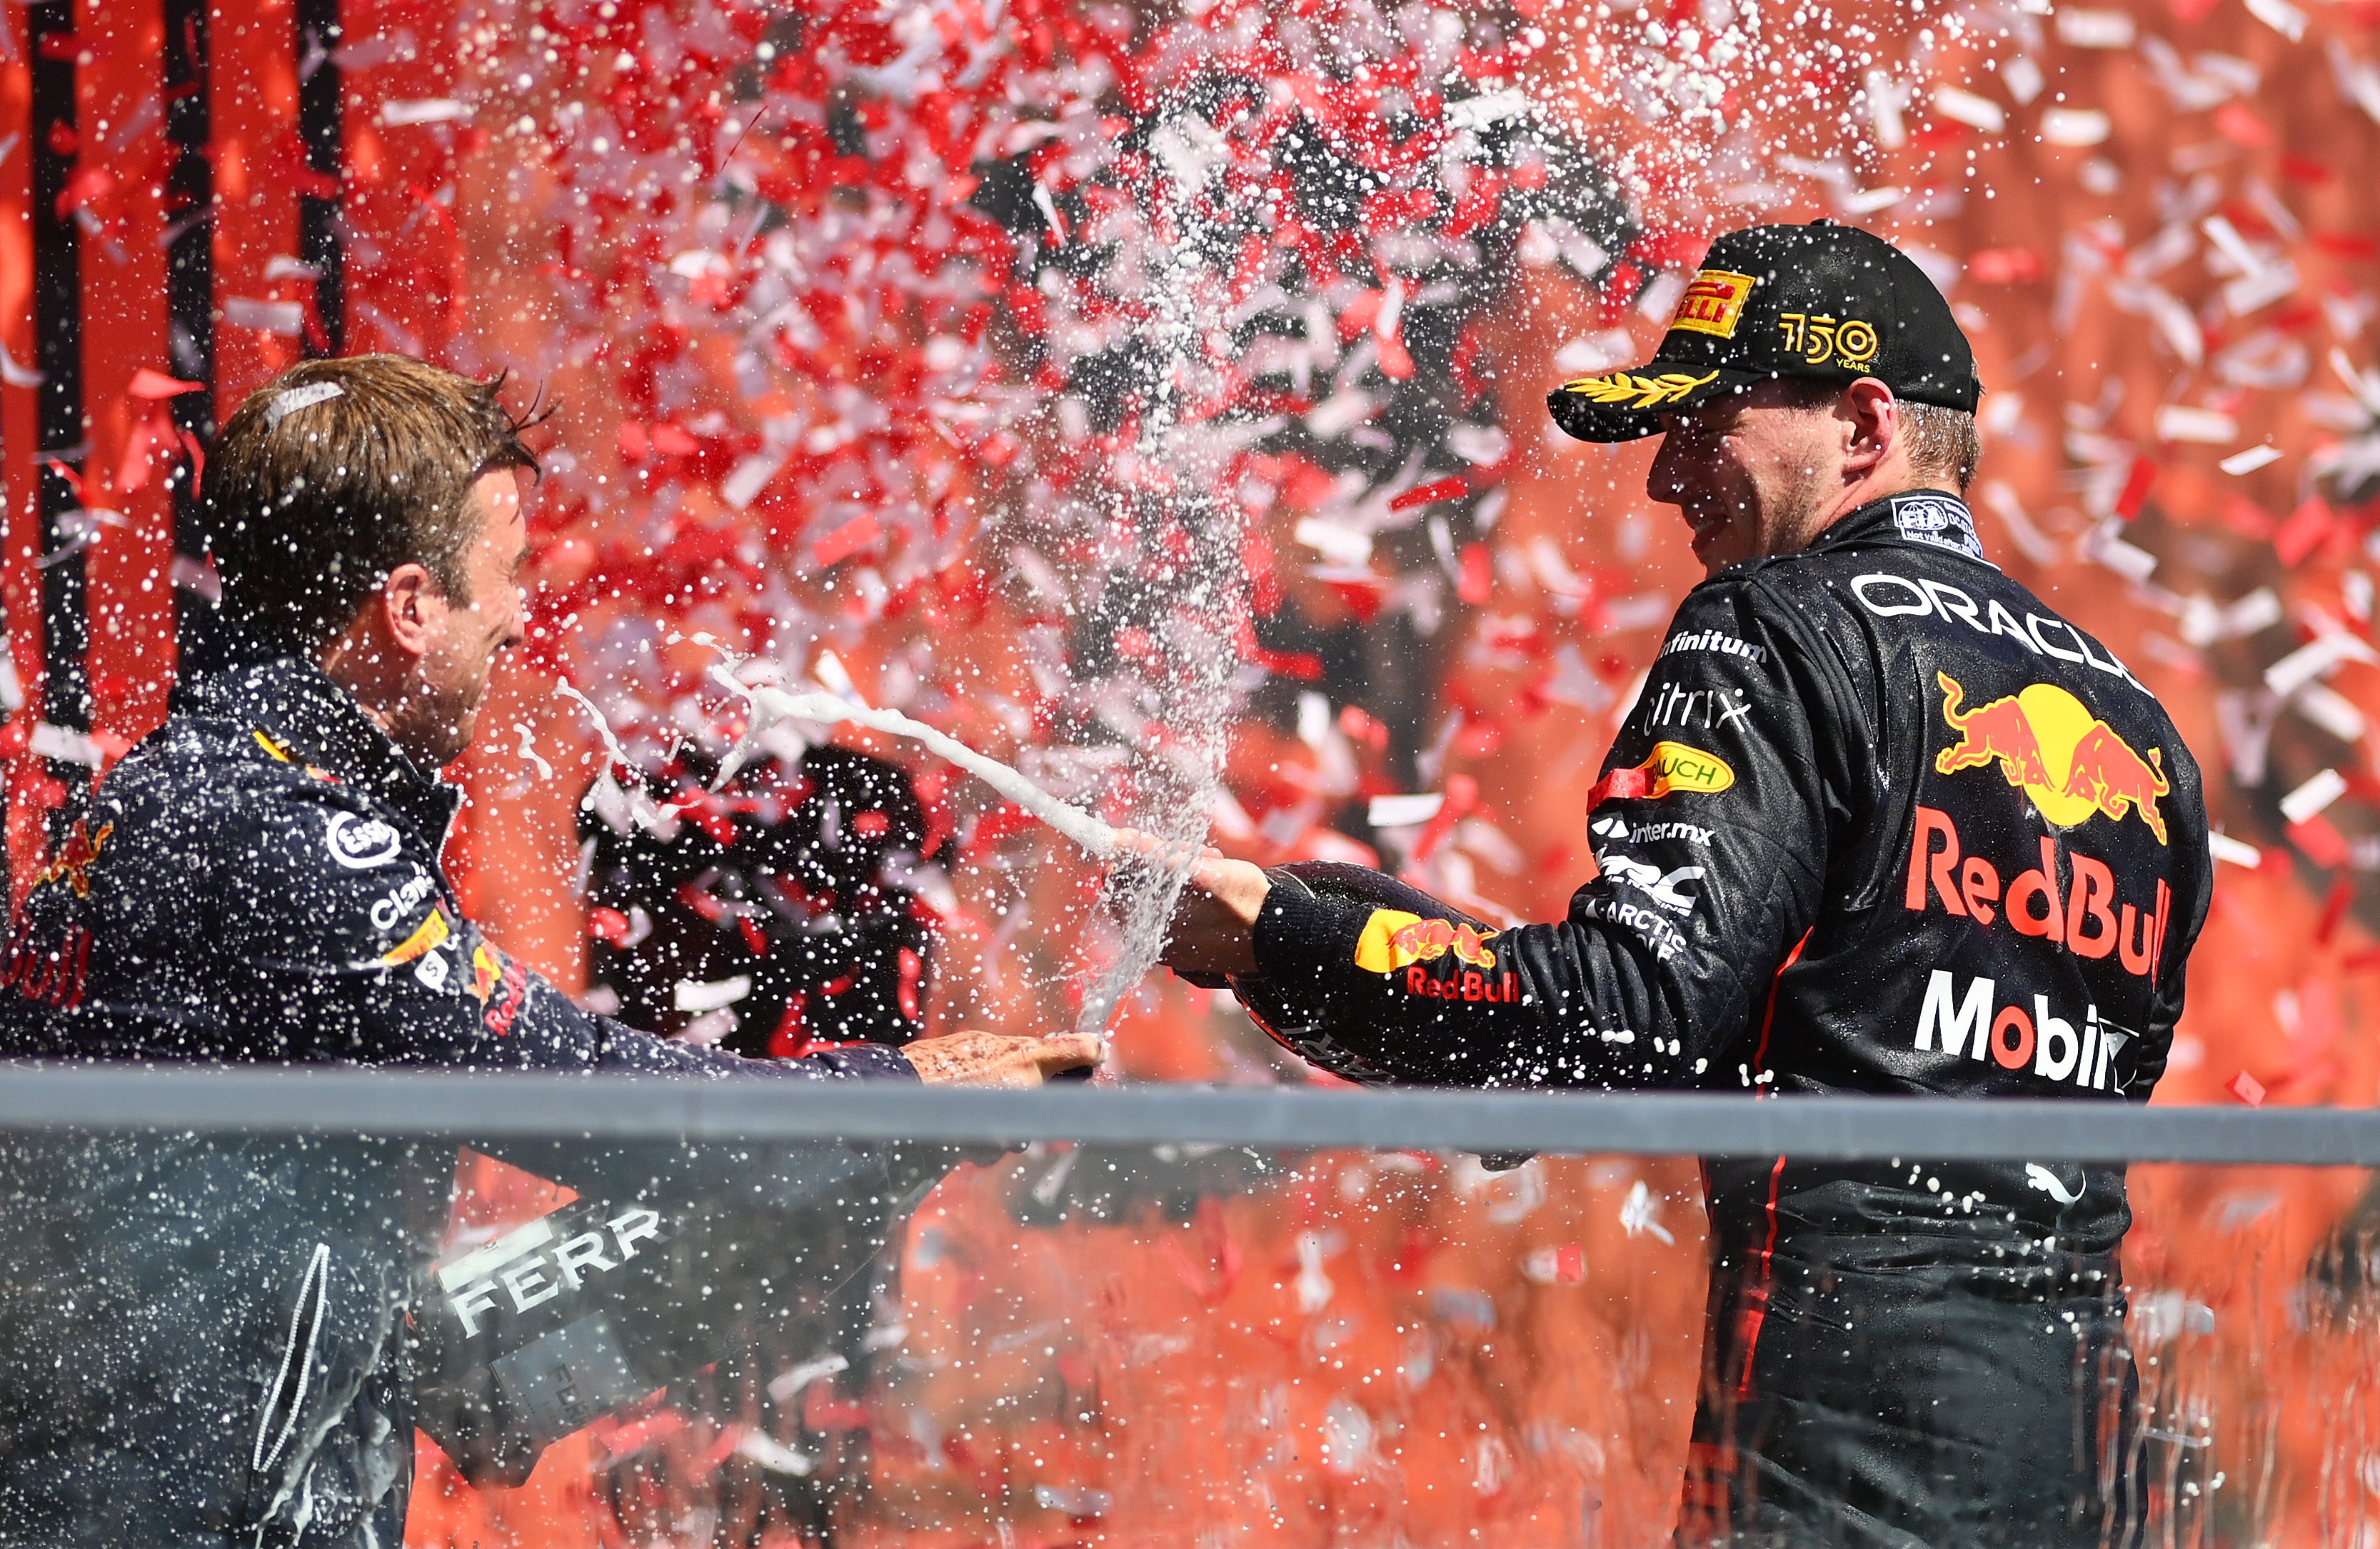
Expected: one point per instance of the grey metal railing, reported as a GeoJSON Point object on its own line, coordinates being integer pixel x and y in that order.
{"type": "Point", "coordinates": [385, 1103]}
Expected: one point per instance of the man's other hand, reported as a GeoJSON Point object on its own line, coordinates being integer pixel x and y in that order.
{"type": "Point", "coordinates": [999, 1059]}
{"type": "Point", "coordinates": [1214, 928]}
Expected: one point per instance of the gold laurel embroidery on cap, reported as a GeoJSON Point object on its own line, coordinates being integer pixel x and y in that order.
{"type": "Point", "coordinates": [1650, 392]}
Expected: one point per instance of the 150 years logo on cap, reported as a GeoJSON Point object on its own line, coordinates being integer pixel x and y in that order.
{"type": "Point", "coordinates": [1714, 303]}
{"type": "Point", "coordinates": [1818, 339]}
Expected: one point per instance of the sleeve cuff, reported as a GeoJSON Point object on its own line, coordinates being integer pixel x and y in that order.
{"type": "Point", "coordinates": [867, 1062]}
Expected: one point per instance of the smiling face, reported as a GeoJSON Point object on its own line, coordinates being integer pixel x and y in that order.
{"type": "Point", "coordinates": [468, 632]}
{"type": "Point", "coordinates": [1753, 474]}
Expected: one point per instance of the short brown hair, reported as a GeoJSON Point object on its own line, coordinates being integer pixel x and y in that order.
{"type": "Point", "coordinates": [1943, 441]}
{"type": "Point", "coordinates": [335, 472]}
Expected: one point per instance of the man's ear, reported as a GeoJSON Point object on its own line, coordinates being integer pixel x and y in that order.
{"type": "Point", "coordinates": [414, 609]}
{"type": "Point", "coordinates": [1875, 426]}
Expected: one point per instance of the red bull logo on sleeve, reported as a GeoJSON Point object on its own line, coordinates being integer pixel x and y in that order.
{"type": "Point", "coordinates": [75, 858]}
{"type": "Point", "coordinates": [2068, 762]}
{"type": "Point", "coordinates": [1393, 939]}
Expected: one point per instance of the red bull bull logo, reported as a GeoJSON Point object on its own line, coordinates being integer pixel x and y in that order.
{"type": "Point", "coordinates": [486, 967]}
{"type": "Point", "coordinates": [75, 858]}
{"type": "Point", "coordinates": [1393, 939]}
{"type": "Point", "coordinates": [2068, 762]}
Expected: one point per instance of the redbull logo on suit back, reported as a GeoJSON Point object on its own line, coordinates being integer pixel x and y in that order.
{"type": "Point", "coordinates": [2086, 917]}
{"type": "Point", "coordinates": [2068, 762]}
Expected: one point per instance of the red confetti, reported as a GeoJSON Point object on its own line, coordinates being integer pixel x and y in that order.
{"type": "Point", "coordinates": [86, 184]}
{"type": "Point", "coordinates": [845, 541]}
{"type": "Point", "coordinates": [1462, 800]}
{"type": "Point", "coordinates": [2247, 1089]}
{"type": "Point", "coordinates": [1620, 784]}
{"type": "Point", "coordinates": [153, 384]}
{"type": "Point", "coordinates": [2333, 909]}
{"type": "Point", "coordinates": [1450, 488]}
{"type": "Point", "coordinates": [2320, 841]}
{"type": "Point", "coordinates": [2004, 266]}
{"type": "Point", "coordinates": [2236, 122]}
{"type": "Point", "coordinates": [1479, 579]}
{"type": "Point", "coordinates": [2137, 484]}
{"type": "Point", "coordinates": [2303, 531]}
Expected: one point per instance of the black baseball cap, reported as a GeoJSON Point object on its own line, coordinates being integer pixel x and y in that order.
{"type": "Point", "coordinates": [1823, 300]}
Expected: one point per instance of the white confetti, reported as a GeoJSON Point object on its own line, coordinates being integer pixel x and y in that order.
{"type": "Point", "coordinates": [2226, 848]}
{"type": "Point", "coordinates": [2208, 427]}
{"type": "Point", "coordinates": [285, 404]}
{"type": "Point", "coordinates": [1401, 812]}
{"type": "Point", "coordinates": [428, 110]}
{"type": "Point", "coordinates": [2076, 125]}
{"type": "Point", "coordinates": [286, 318]}
{"type": "Point", "coordinates": [1975, 111]}
{"type": "Point", "coordinates": [2250, 460]}
{"type": "Point", "coordinates": [2280, 15]}
{"type": "Point", "coordinates": [2313, 796]}
{"type": "Point", "coordinates": [2095, 29]}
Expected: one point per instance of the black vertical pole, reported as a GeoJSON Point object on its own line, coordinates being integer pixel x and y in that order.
{"type": "Point", "coordinates": [190, 310]}
{"type": "Point", "coordinates": [57, 331]}
{"type": "Point", "coordinates": [318, 124]}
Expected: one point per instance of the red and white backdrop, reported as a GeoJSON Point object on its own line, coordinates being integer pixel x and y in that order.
{"type": "Point", "coordinates": [843, 306]}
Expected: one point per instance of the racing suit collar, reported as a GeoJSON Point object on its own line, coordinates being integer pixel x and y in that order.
{"type": "Point", "coordinates": [295, 703]}
{"type": "Point", "coordinates": [1934, 518]}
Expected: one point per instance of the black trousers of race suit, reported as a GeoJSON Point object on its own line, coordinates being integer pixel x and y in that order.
{"type": "Point", "coordinates": [1882, 1394]}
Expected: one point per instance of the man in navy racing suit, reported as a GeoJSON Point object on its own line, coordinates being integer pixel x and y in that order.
{"type": "Point", "coordinates": [1880, 821]}
{"type": "Point", "coordinates": [212, 1342]}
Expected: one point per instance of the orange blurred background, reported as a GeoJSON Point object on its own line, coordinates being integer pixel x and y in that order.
{"type": "Point", "coordinates": [2159, 224]}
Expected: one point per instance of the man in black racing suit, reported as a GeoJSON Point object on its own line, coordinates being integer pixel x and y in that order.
{"type": "Point", "coordinates": [1880, 821]}
{"type": "Point", "coordinates": [212, 1342]}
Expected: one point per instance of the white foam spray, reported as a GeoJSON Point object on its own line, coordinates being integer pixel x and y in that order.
{"type": "Point", "coordinates": [769, 705]}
